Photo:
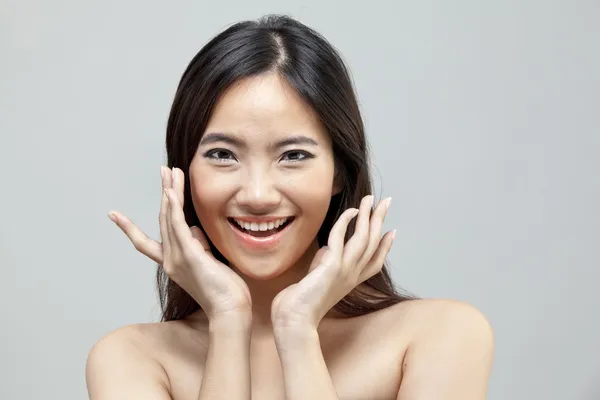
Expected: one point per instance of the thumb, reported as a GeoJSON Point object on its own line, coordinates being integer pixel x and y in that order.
{"type": "Point", "coordinates": [318, 258]}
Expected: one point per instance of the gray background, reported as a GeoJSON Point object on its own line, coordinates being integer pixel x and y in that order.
{"type": "Point", "coordinates": [484, 119]}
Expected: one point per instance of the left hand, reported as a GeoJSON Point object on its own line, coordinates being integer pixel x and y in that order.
{"type": "Point", "coordinates": [336, 269]}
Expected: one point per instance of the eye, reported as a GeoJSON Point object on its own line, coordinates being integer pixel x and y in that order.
{"type": "Point", "coordinates": [220, 155]}
{"type": "Point", "coordinates": [296, 155]}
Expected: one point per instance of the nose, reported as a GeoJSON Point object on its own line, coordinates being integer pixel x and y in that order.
{"type": "Point", "coordinates": [258, 193]}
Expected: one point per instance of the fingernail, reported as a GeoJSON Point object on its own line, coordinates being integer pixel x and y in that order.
{"type": "Point", "coordinates": [112, 216]}
{"type": "Point", "coordinates": [162, 172]}
{"type": "Point", "coordinates": [173, 173]}
{"type": "Point", "coordinates": [388, 201]}
{"type": "Point", "coordinates": [393, 234]}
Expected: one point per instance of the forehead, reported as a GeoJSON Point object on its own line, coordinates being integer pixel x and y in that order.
{"type": "Point", "coordinates": [265, 106]}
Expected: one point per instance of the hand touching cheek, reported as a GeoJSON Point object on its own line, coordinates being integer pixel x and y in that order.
{"type": "Point", "coordinates": [337, 268]}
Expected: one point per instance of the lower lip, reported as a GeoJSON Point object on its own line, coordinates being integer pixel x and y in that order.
{"type": "Point", "coordinates": [259, 243]}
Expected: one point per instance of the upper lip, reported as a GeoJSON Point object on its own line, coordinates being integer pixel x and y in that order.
{"type": "Point", "coordinates": [261, 219]}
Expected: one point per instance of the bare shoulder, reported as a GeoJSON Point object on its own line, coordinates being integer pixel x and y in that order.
{"type": "Point", "coordinates": [448, 321]}
{"type": "Point", "coordinates": [122, 365]}
{"type": "Point", "coordinates": [412, 322]}
{"type": "Point", "coordinates": [444, 315]}
{"type": "Point", "coordinates": [450, 351]}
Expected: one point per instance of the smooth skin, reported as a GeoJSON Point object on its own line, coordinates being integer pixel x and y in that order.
{"type": "Point", "coordinates": [268, 330]}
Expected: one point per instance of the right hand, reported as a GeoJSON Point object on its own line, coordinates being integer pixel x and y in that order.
{"type": "Point", "coordinates": [185, 254]}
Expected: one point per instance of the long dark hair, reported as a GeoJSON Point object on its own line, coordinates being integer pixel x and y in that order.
{"type": "Point", "coordinates": [313, 67]}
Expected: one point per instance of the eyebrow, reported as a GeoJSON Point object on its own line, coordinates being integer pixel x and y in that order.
{"type": "Point", "coordinates": [215, 137]}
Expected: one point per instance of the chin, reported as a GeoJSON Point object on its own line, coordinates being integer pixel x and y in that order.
{"type": "Point", "coordinates": [262, 267]}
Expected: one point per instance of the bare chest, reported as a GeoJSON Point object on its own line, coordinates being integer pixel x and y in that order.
{"type": "Point", "coordinates": [361, 366]}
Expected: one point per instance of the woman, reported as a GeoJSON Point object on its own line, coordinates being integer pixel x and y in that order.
{"type": "Point", "coordinates": [271, 260]}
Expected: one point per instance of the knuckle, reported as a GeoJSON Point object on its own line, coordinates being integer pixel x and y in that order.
{"type": "Point", "coordinates": [168, 268]}
{"type": "Point", "coordinates": [173, 268]}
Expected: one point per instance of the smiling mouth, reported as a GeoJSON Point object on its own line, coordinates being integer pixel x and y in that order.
{"type": "Point", "coordinates": [263, 229]}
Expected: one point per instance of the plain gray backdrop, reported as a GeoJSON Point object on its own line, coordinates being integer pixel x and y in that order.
{"type": "Point", "coordinates": [484, 121]}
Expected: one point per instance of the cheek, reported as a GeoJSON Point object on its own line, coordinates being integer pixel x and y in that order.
{"type": "Point", "coordinates": [312, 192]}
{"type": "Point", "coordinates": [209, 194]}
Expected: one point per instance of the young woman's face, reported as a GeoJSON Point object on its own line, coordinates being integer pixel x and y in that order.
{"type": "Point", "coordinates": [263, 176]}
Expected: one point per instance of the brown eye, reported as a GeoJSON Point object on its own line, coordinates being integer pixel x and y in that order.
{"type": "Point", "coordinates": [296, 155]}
{"type": "Point", "coordinates": [221, 155]}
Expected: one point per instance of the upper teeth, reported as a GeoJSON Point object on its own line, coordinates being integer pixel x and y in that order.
{"type": "Point", "coordinates": [262, 226]}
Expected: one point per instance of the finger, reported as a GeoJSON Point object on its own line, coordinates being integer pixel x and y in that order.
{"type": "Point", "coordinates": [178, 183]}
{"type": "Point", "coordinates": [173, 242]}
{"type": "Point", "coordinates": [375, 265]}
{"type": "Point", "coordinates": [179, 230]}
{"type": "Point", "coordinates": [142, 243]}
{"type": "Point", "coordinates": [176, 249]}
{"type": "Point", "coordinates": [338, 232]}
{"type": "Point", "coordinates": [168, 177]}
{"type": "Point", "coordinates": [375, 228]}
{"type": "Point", "coordinates": [162, 217]}
{"type": "Point", "coordinates": [357, 244]}
{"type": "Point", "coordinates": [317, 258]}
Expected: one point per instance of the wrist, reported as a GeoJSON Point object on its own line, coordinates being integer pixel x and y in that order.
{"type": "Point", "coordinates": [231, 322]}
{"type": "Point", "coordinates": [293, 335]}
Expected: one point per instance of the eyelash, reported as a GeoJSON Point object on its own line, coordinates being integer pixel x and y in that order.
{"type": "Point", "coordinates": [210, 155]}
